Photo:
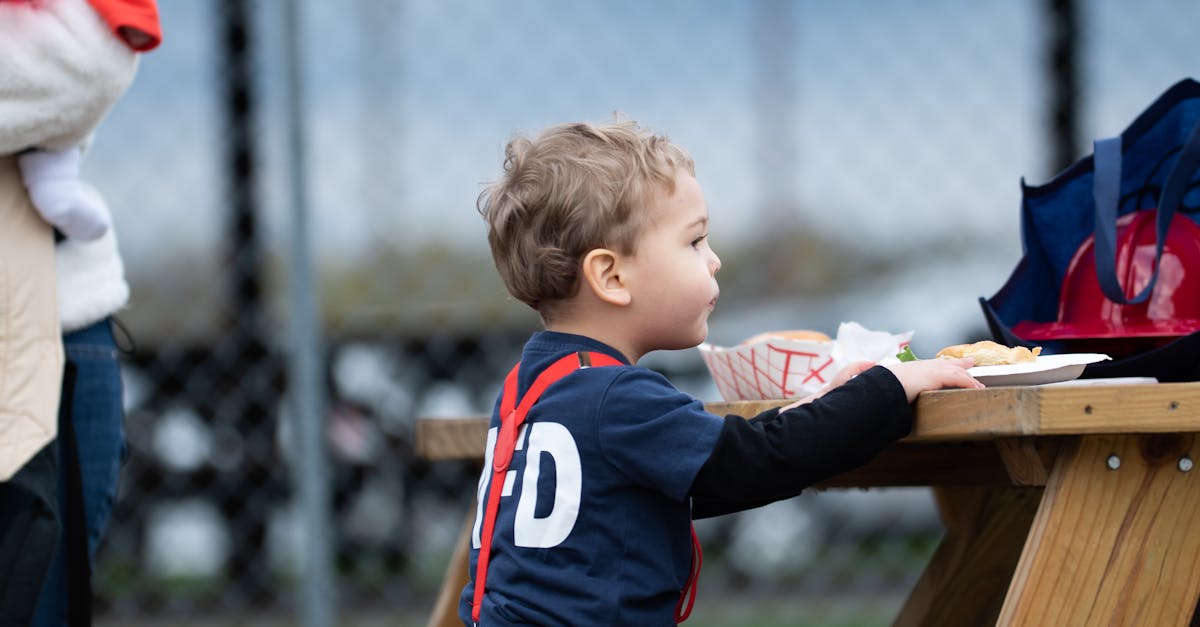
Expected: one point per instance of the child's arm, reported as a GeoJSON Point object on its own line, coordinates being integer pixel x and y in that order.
{"type": "Point", "coordinates": [916, 377]}
{"type": "Point", "coordinates": [779, 453]}
{"type": "Point", "coordinates": [842, 376]}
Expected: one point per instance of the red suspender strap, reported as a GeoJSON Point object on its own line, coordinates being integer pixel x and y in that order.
{"type": "Point", "coordinates": [512, 416]}
{"type": "Point", "coordinates": [687, 598]}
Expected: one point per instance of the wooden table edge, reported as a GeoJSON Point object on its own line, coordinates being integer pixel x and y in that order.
{"type": "Point", "coordinates": [941, 416]}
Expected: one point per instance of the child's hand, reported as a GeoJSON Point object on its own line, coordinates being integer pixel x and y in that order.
{"type": "Point", "coordinates": [934, 374]}
{"type": "Point", "coordinates": [62, 199]}
{"type": "Point", "coordinates": [847, 373]}
{"type": "Point", "coordinates": [842, 376]}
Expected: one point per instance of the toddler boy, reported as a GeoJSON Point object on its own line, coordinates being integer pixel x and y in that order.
{"type": "Point", "coordinates": [603, 230]}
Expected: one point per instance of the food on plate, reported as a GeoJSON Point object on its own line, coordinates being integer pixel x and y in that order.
{"type": "Point", "coordinates": [989, 353]}
{"type": "Point", "coordinates": [798, 334]}
{"type": "Point", "coordinates": [907, 354]}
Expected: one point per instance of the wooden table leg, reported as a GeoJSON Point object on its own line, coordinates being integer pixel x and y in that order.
{"type": "Point", "coordinates": [966, 579]}
{"type": "Point", "coordinates": [445, 609]}
{"type": "Point", "coordinates": [1116, 540]}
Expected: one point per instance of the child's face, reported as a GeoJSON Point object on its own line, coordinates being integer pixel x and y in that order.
{"type": "Point", "coordinates": [674, 286]}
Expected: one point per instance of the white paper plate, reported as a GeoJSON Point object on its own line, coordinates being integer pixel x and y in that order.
{"type": "Point", "coordinates": [1045, 369]}
{"type": "Point", "coordinates": [1105, 381]}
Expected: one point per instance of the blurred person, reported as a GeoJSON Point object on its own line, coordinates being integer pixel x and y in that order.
{"type": "Point", "coordinates": [63, 64]}
{"type": "Point", "coordinates": [603, 230]}
{"type": "Point", "coordinates": [31, 366]}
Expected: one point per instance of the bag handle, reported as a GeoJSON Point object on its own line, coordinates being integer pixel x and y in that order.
{"type": "Point", "coordinates": [1106, 190]}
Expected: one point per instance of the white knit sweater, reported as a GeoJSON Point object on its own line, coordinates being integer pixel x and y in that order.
{"type": "Point", "coordinates": [61, 69]}
{"type": "Point", "coordinates": [91, 281]}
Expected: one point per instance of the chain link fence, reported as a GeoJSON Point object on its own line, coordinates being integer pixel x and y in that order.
{"type": "Point", "coordinates": [860, 160]}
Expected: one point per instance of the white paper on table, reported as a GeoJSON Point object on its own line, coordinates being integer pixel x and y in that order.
{"type": "Point", "coordinates": [854, 342]}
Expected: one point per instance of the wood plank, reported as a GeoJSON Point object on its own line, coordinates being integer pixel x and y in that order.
{"type": "Point", "coordinates": [944, 415]}
{"type": "Point", "coordinates": [947, 414]}
{"type": "Point", "coordinates": [1028, 460]}
{"type": "Point", "coordinates": [458, 572]}
{"type": "Point", "coordinates": [451, 438]}
{"type": "Point", "coordinates": [969, 573]}
{"type": "Point", "coordinates": [1038, 410]}
{"type": "Point", "coordinates": [938, 419]}
{"type": "Point", "coordinates": [1113, 546]}
{"type": "Point", "coordinates": [927, 464]}
{"type": "Point", "coordinates": [745, 409]}
{"type": "Point", "coordinates": [1155, 408]}
{"type": "Point", "coordinates": [903, 464]}
{"type": "Point", "coordinates": [976, 414]}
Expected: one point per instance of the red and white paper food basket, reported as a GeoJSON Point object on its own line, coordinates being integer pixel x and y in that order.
{"type": "Point", "coordinates": [782, 368]}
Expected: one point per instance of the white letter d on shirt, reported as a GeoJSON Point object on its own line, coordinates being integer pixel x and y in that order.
{"type": "Point", "coordinates": [554, 439]}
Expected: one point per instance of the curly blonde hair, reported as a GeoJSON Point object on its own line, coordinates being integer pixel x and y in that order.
{"type": "Point", "coordinates": [574, 188]}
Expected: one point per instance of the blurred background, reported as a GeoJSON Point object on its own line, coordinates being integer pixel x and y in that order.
{"type": "Point", "coordinates": [294, 191]}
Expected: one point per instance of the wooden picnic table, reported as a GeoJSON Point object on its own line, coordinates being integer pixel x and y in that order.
{"type": "Point", "coordinates": [1062, 505]}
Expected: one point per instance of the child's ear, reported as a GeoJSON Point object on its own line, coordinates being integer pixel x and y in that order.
{"type": "Point", "coordinates": [602, 275]}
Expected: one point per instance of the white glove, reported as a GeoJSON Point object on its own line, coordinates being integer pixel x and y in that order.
{"type": "Point", "coordinates": [72, 205]}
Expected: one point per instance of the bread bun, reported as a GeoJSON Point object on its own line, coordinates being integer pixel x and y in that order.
{"type": "Point", "coordinates": [805, 335]}
{"type": "Point", "coordinates": [989, 353]}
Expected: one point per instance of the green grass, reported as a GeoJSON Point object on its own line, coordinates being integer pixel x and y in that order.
{"type": "Point", "coordinates": [849, 584]}
{"type": "Point", "coordinates": [781, 611]}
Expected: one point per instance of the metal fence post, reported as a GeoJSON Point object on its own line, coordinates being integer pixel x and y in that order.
{"type": "Point", "coordinates": [305, 383]}
{"type": "Point", "coordinates": [1062, 82]}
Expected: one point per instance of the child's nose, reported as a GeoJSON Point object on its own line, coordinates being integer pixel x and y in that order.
{"type": "Point", "coordinates": [714, 263]}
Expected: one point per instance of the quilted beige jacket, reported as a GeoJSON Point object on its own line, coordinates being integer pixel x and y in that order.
{"type": "Point", "coordinates": [31, 354]}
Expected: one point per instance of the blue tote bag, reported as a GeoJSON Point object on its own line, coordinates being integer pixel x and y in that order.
{"type": "Point", "coordinates": [1111, 245]}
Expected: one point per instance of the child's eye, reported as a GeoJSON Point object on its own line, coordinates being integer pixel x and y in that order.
{"type": "Point", "coordinates": [696, 242]}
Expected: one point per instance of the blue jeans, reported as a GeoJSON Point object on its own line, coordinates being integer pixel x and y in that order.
{"type": "Point", "coordinates": [97, 415]}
